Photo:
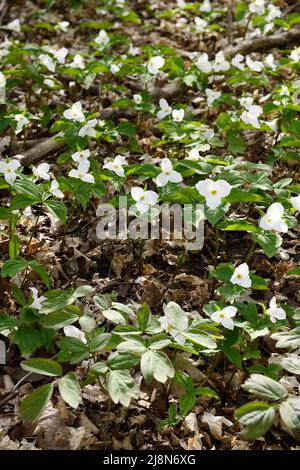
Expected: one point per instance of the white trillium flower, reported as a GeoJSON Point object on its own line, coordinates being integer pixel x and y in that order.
{"type": "Point", "coordinates": [295, 54]}
{"type": "Point", "coordinates": [194, 155]}
{"type": "Point", "coordinates": [60, 55]}
{"type": "Point", "coordinates": [273, 220]}
{"type": "Point", "coordinates": [225, 316]}
{"type": "Point", "coordinates": [133, 50]}
{"type": "Point", "coordinates": [78, 62]}
{"type": "Point", "coordinates": [295, 201]}
{"type": "Point", "coordinates": [269, 62]}
{"type": "Point", "coordinates": [200, 25]}
{"type": "Point", "coordinates": [175, 322]}
{"type": "Point", "coordinates": [88, 129]}
{"type": "Point", "coordinates": [212, 95]}
{"type": "Point", "coordinates": [246, 102]}
{"type": "Point", "coordinates": [241, 276]}
{"type": "Point", "coordinates": [54, 189]}
{"type": "Point", "coordinates": [155, 64]}
{"type": "Point", "coordinates": [42, 171]}
{"type": "Point", "coordinates": [114, 68]}
{"type": "Point", "coordinates": [102, 39]}
{"type": "Point", "coordinates": [203, 63]}
{"type": "Point", "coordinates": [9, 170]}
{"type": "Point", "coordinates": [75, 112]}
{"type": "Point", "coordinates": [144, 199]}
{"type": "Point", "coordinates": [50, 83]}
{"type": "Point", "coordinates": [213, 191]}
{"type": "Point", "coordinates": [251, 116]}
{"type": "Point", "coordinates": [47, 61]}
{"type": "Point", "coordinates": [2, 80]}
{"type": "Point", "coordinates": [14, 26]}
{"type": "Point", "coordinates": [178, 115]}
{"type": "Point", "coordinates": [137, 99]}
{"type": "Point", "coordinates": [22, 121]}
{"type": "Point", "coordinates": [255, 65]}
{"type": "Point", "coordinates": [82, 172]}
{"type": "Point", "coordinates": [257, 6]}
{"type": "Point", "coordinates": [237, 61]}
{"type": "Point", "coordinates": [116, 165]}
{"type": "Point", "coordinates": [165, 109]}
{"type": "Point", "coordinates": [74, 332]}
{"type": "Point", "coordinates": [273, 13]}
{"type": "Point", "coordinates": [81, 155]}
{"type": "Point", "coordinates": [37, 302]}
{"type": "Point", "coordinates": [168, 174]}
{"type": "Point", "coordinates": [220, 63]}
{"type": "Point", "coordinates": [206, 7]}
{"type": "Point", "coordinates": [63, 26]}
{"type": "Point", "coordinates": [275, 313]}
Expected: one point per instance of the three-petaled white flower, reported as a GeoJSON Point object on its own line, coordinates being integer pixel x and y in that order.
{"type": "Point", "coordinates": [102, 39]}
{"type": "Point", "coordinates": [75, 112]}
{"type": "Point", "coordinates": [175, 322]}
{"type": "Point", "coordinates": [167, 174]}
{"type": "Point", "coordinates": [54, 189]}
{"type": "Point", "coordinates": [203, 63]}
{"type": "Point", "coordinates": [212, 95]}
{"type": "Point", "coordinates": [241, 276]}
{"type": "Point", "coordinates": [21, 121]}
{"type": "Point", "coordinates": [82, 172]}
{"type": "Point", "coordinates": [295, 54]}
{"type": "Point", "coordinates": [81, 155]}
{"type": "Point", "coordinates": [88, 129]}
{"type": "Point", "coordinates": [295, 201]}
{"type": "Point", "coordinates": [60, 54]}
{"type": "Point", "coordinates": [237, 61]}
{"type": "Point", "coordinates": [47, 61]}
{"type": "Point", "coordinates": [137, 98]}
{"type": "Point", "coordinates": [206, 7]}
{"type": "Point", "coordinates": [78, 62]}
{"type": "Point", "coordinates": [2, 80]}
{"type": "Point", "coordinates": [220, 63]}
{"type": "Point", "coordinates": [225, 316]}
{"type": "Point", "coordinates": [37, 302]}
{"type": "Point", "coordinates": [165, 109]}
{"type": "Point", "coordinates": [275, 313]}
{"type": "Point", "coordinates": [178, 115]}
{"type": "Point", "coordinates": [273, 219]}
{"type": "Point", "coordinates": [116, 165]}
{"type": "Point", "coordinates": [251, 116]}
{"type": "Point", "coordinates": [213, 191]}
{"type": "Point", "coordinates": [63, 26]}
{"type": "Point", "coordinates": [194, 155]}
{"type": "Point", "coordinates": [9, 170]}
{"type": "Point", "coordinates": [144, 199]}
{"type": "Point", "coordinates": [114, 68]}
{"type": "Point", "coordinates": [74, 332]}
{"type": "Point", "coordinates": [42, 171]}
{"type": "Point", "coordinates": [155, 64]}
{"type": "Point", "coordinates": [200, 24]}
{"type": "Point", "coordinates": [257, 6]}
{"type": "Point", "coordinates": [255, 65]}
{"type": "Point", "coordinates": [14, 26]}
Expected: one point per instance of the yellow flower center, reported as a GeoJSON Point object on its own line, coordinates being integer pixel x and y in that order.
{"type": "Point", "coordinates": [239, 276]}
{"type": "Point", "coordinates": [142, 198]}
{"type": "Point", "coordinates": [222, 315]}
{"type": "Point", "coordinates": [167, 173]}
{"type": "Point", "coordinates": [270, 220]}
{"type": "Point", "coordinates": [213, 192]}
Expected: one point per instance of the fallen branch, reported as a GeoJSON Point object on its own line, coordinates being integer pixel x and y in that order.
{"type": "Point", "coordinates": [38, 152]}
{"type": "Point", "coordinates": [280, 41]}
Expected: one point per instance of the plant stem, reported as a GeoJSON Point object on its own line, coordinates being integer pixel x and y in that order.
{"type": "Point", "coordinates": [250, 252]}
